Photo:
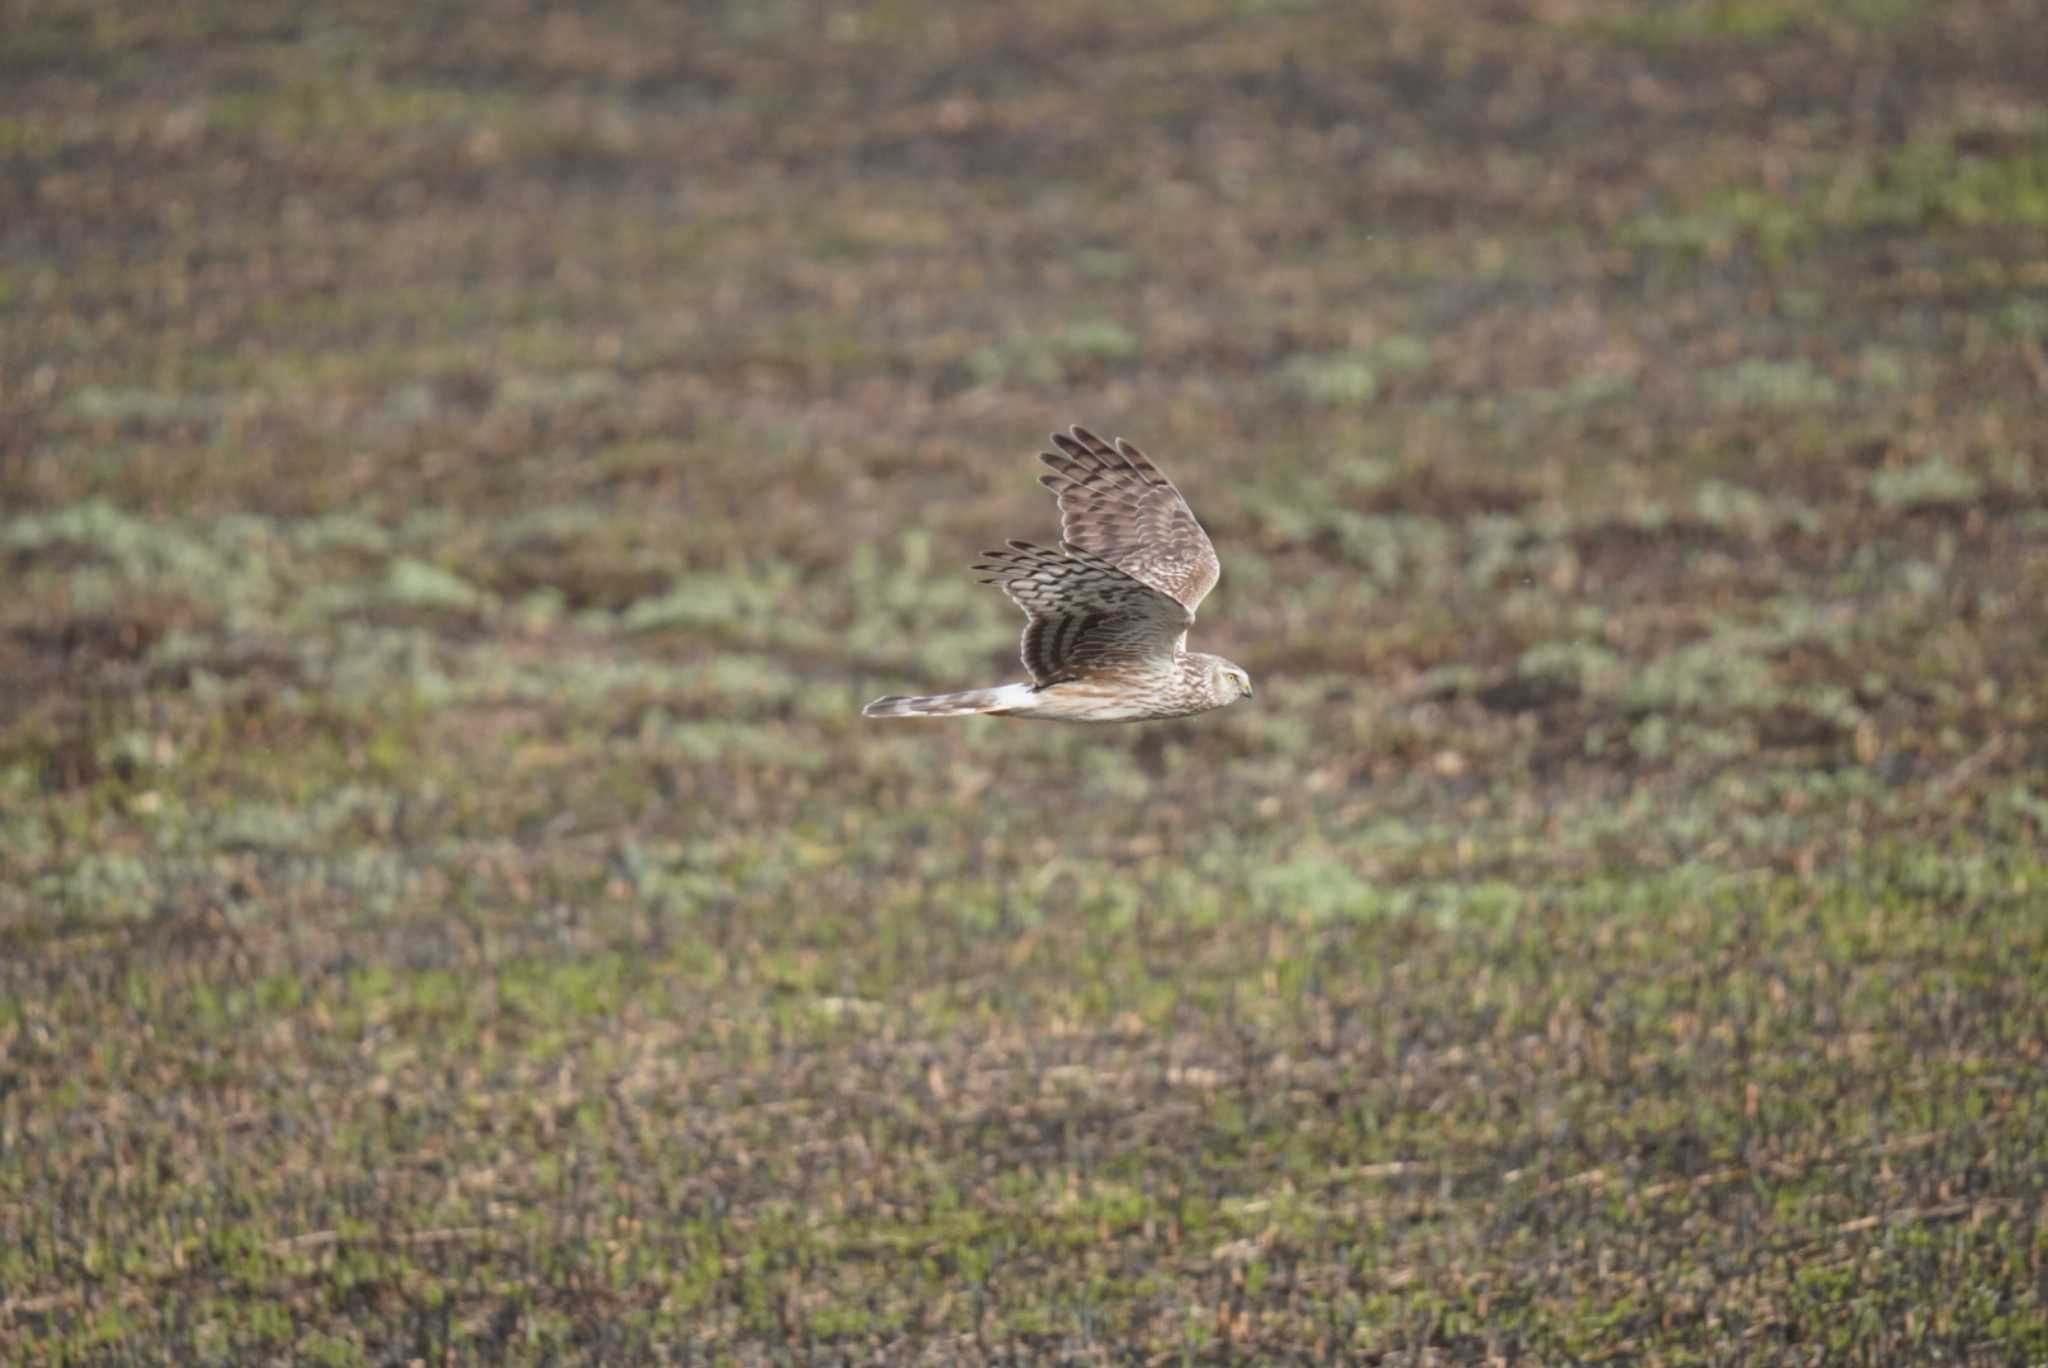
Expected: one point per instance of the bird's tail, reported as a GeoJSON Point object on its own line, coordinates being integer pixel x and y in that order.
{"type": "Point", "coordinates": [1001, 699]}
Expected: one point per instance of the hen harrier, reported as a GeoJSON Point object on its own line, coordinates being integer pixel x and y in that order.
{"type": "Point", "coordinates": [1108, 614]}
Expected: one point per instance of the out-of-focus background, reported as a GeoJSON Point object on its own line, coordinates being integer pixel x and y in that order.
{"type": "Point", "coordinates": [463, 467]}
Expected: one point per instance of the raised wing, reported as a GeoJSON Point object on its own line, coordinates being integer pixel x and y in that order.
{"type": "Point", "coordinates": [1085, 613]}
{"type": "Point", "coordinates": [1115, 504]}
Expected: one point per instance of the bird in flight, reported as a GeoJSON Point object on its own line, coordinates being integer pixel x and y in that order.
{"type": "Point", "coordinates": [1106, 615]}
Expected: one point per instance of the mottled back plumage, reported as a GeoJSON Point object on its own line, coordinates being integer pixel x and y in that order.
{"type": "Point", "coordinates": [1107, 615]}
{"type": "Point", "coordinates": [1083, 613]}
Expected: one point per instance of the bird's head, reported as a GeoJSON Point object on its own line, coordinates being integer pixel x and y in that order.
{"type": "Point", "coordinates": [1228, 681]}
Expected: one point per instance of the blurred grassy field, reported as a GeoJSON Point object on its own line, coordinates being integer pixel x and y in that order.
{"type": "Point", "coordinates": [462, 468]}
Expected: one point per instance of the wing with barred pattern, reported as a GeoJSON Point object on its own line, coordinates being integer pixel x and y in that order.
{"type": "Point", "coordinates": [1115, 504]}
{"type": "Point", "coordinates": [1086, 614]}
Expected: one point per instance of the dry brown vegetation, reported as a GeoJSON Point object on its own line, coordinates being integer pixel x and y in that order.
{"type": "Point", "coordinates": [462, 467]}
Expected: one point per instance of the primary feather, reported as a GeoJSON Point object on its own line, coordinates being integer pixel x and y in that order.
{"type": "Point", "coordinates": [1115, 504]}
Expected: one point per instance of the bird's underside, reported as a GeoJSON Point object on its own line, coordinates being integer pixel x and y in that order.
{"type": "Point", "coordinates": [1072, 701]}
{"type": "Point", "coordinates": [1106, 615]}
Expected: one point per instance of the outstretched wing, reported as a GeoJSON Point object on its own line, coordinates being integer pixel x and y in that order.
{"type": "Point", "coordinates": [1085, 613]}
{"type": "Point", "coordinates": [1115, 504]}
